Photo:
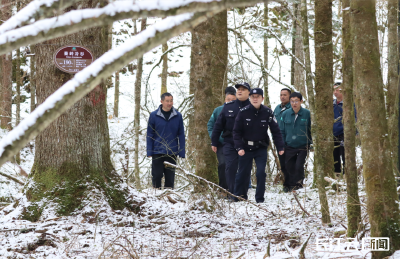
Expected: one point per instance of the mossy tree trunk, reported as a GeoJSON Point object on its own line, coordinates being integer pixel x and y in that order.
{"type": "Point", "coordinates": [353, 200]}
{"type": "Point", "coordinates": [138, 93]}
{"type": "Point", "coordinates": [382, 200]}
{"type": "Point", "coordinates": [6, 102]}
{"type": "Point", "coordinates": [323, 99]}
{"type": "Point", "coordinates": [72, 155]}
{"type": "Point", "coordinates": [392, 95]}
{"type": "Point", "coordinates": [209, 57]}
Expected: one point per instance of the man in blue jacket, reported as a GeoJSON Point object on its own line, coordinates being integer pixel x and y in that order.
{"type": "Point", "coordinates": [165, 141]}
{"type": "Point", "coordinates": [296, 132]}
{"type": "Point", "coordinates": [250, 135]}
{"type": "Point", "coordinates": [230, 95]}
{"type": "Point", "coordinates": [225, 123]}
{"type": "Point", "coordinates": [338, 134]}
{"type": "Point", "coordinates": [279, 110]}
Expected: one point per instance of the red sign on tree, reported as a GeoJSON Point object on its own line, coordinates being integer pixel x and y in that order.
{"type": "Point", "coordinates": [72, 59]}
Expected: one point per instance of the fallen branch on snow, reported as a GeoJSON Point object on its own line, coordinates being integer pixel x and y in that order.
{"type": "Point", "coordinates": [220, 188]}
{"type": "Point", "coordinates": [12, 178]}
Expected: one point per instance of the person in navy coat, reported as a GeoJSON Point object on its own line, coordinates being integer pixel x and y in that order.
{"type": "Point", "coordinates": [165, 141]}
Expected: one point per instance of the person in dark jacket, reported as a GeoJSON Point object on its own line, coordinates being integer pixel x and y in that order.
{"type": "Point", "coordinates": [230, 95]}
{"type": "Point", "coordinates": [279, 109]}
{"type": "Point", "coordinates": [165, 141]}
{"type": "Point", "coordinates": [225, 123]}
{"type": "Point", "coordinates": [250, 135]}
{"type": "Point", "coordinates": [338, 134]}
{"type": "Point", "coordinates": [296, 132]}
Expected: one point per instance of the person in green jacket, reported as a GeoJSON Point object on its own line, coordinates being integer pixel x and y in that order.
{"type": "Point", "coordinates": [279, 109]}
{"type": "Point", "coordinates": [230, 95]}
{"type": "Point", "coordinates": [296, 133]}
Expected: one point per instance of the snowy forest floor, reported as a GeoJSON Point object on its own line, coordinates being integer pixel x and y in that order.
{"type": "Point", "coordinates": [183, 224]}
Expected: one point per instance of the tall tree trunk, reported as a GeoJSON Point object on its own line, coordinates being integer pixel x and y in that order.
{"type": "Point", "coordinates": [72, 155]}
{"type": "Point", "coordinates": [382, 200]}
{"type": "Point", "coordinates": [294, 29]}
{"type": "Point", "coordinates": [265, 24]}
{"type": "Point", "coordinates": [309, 80]}
{"type": "Point", "coordinates": [323, 99]}
{"type": "Point", "coordinates": [353, 201]}
{"type": "Point", "coordinates": [299, 73]}
{"type": "Point", "coordinates": [116, 94]}
{"type": "Point", "coordinates": [33, 78]}
{"type": "Point", "coordinates": [164, 74]}
{"type": "Point", "coordinates": [6, 104]}
{"type": "Point", "coordinates": [138, 90]}
{"type": "Point", "coordinates": [18, 96]}
{"type": "Point", "coordinates": [207, 71]}
{"type": "Point", "coordinates": [392, 96]}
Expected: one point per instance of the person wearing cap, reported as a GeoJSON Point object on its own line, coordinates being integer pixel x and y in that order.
{"type": "Point", "coordinates": [225, 123]}
{"type": "Point", "coordinates": [296, 132]}
{"type": "Point", "coordinates": [279, 109]}
{"type": "Point", "coordinates": [250, 135]}
{"type": "Point", "coordinates": [230, 95]}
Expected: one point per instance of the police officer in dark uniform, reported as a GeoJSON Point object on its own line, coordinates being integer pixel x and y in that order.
{"type": "Point", "coordinates": [250, 135]}
{"type": "Point", "coordinates": [224, 124]}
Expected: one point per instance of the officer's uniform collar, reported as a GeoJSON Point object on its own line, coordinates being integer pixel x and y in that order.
{"type": "Point", "coordinates": [335, 101]}
{"type": "Point", "coordinates": [262, 107]}
{"type": "Point", "coordinates": [243, 103]}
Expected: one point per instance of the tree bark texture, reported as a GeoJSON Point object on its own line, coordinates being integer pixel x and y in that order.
{"type": "Point", "coordinates": [18, 96]}
{"type": "Point", "coordinates": [75, 148]}
{"type": "Point", "coordinates": [382, 200]}
{"type": "Point", "coordinates": [208, 67]}
{"type": "Point", "coordinates": [6, 102]}
{"type": "Point", "coordinates": [138, 92]}
{"type": "Point", "coordinates": [32, 78]}
{"type": "Point", "coordinates": [116, 95]}
{"type": "Point", "coordinates": [323, 99]}
{"type": "Point", "coordinates": [299, 73]}
{"type": "Point", "coordinates": [294, 28]}
{"type": "Point", "coordinates": [164, 74]}
{"type": "Point", "coordinates": [353, 200]}
{"type": "Point", "coordinates": [392, 95]}
{"type": "Point", "coordinates": [309, 80]}
{"type": "Point", "coordinates": [265, 24]}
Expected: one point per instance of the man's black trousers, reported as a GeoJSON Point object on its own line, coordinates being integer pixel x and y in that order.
{"type": "Point", "coordinates": [221, 166]}
{"type": "Point", "coordinates": [158, 170]}
{"type": "Point", "coordinates": [231, 165]}
{"type": "Point", "coordinates": [295, 159]}
{"type": "Point", "coordinates": [338, 152]}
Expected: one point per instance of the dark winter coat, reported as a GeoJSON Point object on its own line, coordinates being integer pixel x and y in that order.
{"type": "Point", "coordinates": [166, 137]}
{"type": "Point", "coordinates": [226, 121]}
{"type": "Point", "coordinates": [296, 132]}
{"type": "Point", "coordinates": [252, 125]}
{"type": "Point", "coordinates": [338, 115]}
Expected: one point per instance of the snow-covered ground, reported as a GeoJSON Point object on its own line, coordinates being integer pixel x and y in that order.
{"type": "Point", "coordinates": [179, 223]}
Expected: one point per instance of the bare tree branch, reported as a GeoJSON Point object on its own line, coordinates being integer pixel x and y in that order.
{"type": "Point", "coordinates": [37, 10]}
{"type": "Point", "coordinates": [78, 20]}
{"type": "Point", "coordinates": [12, 178]}
{"type": "Point", "coordinates": [86, 80]}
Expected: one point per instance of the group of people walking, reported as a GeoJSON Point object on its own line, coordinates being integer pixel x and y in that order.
{"type": "Point", "coordinates": [239, 135]}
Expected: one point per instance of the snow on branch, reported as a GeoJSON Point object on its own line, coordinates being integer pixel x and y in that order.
{"type": "Point", "coordinates": [36, 9]}
{"type": "Point", "coordinates": [78, 20]}
{"type": "Point", "coordinates": [87, 79]}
